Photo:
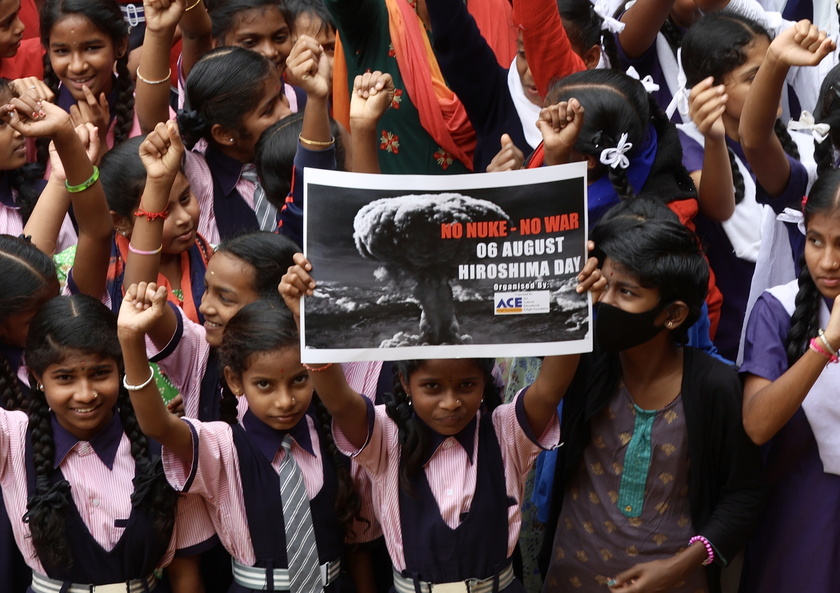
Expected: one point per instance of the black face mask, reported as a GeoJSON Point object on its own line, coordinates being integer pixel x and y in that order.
{"type": "Point", "coordinates": [617, 330]}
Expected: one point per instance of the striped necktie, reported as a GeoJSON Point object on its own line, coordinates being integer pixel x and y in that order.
{"type": "Point", "coordinates": [301, 550]}
{"type": "Point", "coordinates": [265, 212]}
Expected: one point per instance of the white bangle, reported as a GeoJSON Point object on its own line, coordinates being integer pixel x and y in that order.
{"type": "Point", "coordinates": [142, 385]}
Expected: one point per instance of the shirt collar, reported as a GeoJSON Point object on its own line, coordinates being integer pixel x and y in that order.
{"type": "Point", "coordinates": [465, 438]}
{"type": "Point", "coordinates": [7, 197]}
{"type": "Point", "coordinates": [269, 440]}
{"type": "Point", "coordinates": [104, 444]}
{"type": "Point", "coordinates": [66, 101]}
{"type": "Point", "coordinates": [226, 170]}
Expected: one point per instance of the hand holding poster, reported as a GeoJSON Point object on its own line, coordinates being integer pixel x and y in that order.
{"type": "Point", "coordinates": [478, 265]}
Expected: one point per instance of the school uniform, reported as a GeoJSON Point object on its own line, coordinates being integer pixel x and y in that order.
{"type": "Point", "coordinates": [290, 221]}
{"type": "Point", "coordinates": [235, 469]}
{"type": "Point", "coordinates": [109, 537]}
{"type": "Point", "coordinates": [462, 521]}
{"type": "Point", "coordinates": [11, 222]}
{"type": "Point", "coordinates": [797, 541]}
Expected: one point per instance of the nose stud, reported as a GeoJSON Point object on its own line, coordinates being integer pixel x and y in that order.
{"type": "Point", "coordinates": [95, 395]}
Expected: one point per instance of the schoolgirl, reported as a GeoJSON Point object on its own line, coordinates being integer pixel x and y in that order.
{"type": "Point", "coordinates": [444, 417]}
{"type": "Point", "coordinates": [827, 123]}
{"type": "Point", "coordinates": [656, 486]}
{"type": "Point", "coordinates": [730, 225]}
{"type": "Point", "coordinates": [86, 42]}
{"type": "Point", "coordinates": [235, 467]}
{"type": "Point", "coordinates": [789, 393]}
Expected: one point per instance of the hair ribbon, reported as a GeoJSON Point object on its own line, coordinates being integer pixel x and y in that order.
{"type": "Point", "coordinates": [602, 9]}
{"type": "Point", "coordinates": [615, 157]}
{"type": "Point", "coordinates": [807, 122]}
{"type": "Point", "coordinates": [647, 81]}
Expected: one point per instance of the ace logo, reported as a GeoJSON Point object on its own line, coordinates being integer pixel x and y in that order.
{"type": "Point", "coordinates": [509, 305]}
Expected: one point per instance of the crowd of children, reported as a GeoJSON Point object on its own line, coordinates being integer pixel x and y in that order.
{"type": "Point", "coordinates": [158, 430]}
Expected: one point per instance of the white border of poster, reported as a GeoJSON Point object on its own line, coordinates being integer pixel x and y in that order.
{"type": "Point", "coordinates": [508, 247]}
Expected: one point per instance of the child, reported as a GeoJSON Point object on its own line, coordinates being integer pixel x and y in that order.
{"type": "Point", "coordinates": [656, 479]}
{"type": "Point", "coordinates": [235, 467]}
{"type": "Point", "coordinates": [86, 43]}
{"type": "Point", "coordinates": [87, 520]}
{"type": "Point", "coordinates": [789, 395]}
{"type": "Point", "coordinates": [730, 195]}
{"type": "Point", "coordinates": [442, 410]}
{"type": "Point", "coordinates": [828, 113]}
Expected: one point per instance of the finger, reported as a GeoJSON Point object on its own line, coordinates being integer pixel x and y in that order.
{"type": "Point", "coordinates": [159, 297]}
{"type": "Point", "coordinates": [301, 260]}
{"type": "Point", "coordinates": [175, 136]}
{"type": "Point", "coordinates": [506, 140]}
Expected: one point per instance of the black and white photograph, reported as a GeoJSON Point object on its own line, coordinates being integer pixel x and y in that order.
{"type": "Point", "coordinates": [425, 266]}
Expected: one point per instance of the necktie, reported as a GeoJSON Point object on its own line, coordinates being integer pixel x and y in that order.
{"type": "Point", "coordinates": [301, 550]}
{"type": "Point", "coordinates": [265, 212]}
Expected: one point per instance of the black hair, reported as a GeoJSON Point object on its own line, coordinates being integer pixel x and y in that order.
{"type": "Point", "coordinates": [222, 87]}
{"type": "Point", "coordinates": [716, 45]}
{"type": "Point", "coordinates": [123, 177]}
{"type": "Point", "coordinates": [108, 18]}
{"type": "Point", "coordinates": [824, 198]}
{"type": "Point", "coordinates": [647, 239]}
{"type": "Point", "coordinates": [275, 155]}
{"type": "Point", "coordinates": [314, 8]}
{"type": "Point", "coordinates": [83, 324]}
{"type": "Point", "coordinates": [28, 280]}
{"type": "Point", "coordinates": [828, 112]}
{"type": "Point", "coordinates": [269, 254]}
{"type": "Point", "coordinates": [224, 14]}
{"type": "Point", "coordinates": [584, 28]}
{"type": "Point", "coordinates": [262, 327]}
{"type": "Point", "coordinates": [414, 437]}
{"type": "Point", "coordinates": [615, 104]}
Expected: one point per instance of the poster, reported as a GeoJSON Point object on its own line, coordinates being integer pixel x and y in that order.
{"type": "Point", "coordinates": [481, 265]}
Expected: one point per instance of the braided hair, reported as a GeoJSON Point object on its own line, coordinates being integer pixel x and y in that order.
{"type": "Point", "coordinates": [82, 324]}
{"type": "Point", "coordinates": [29, 280]}
{"type": "Point", "coordinates": [413, 436]}
{"type": "Point", "coordinates": [106, 16]}
{"type": "Point", "coordinates": [263, 327]}
{"type": "Point", "coordinates": [824, 198]}
{"type": "Point", "coordinates": [615, 104]}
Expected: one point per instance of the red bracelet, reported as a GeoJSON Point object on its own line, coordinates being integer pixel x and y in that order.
{"type": "Point", "coordinates": [316, 369]}
{"type": "Point", "coordinates": [150, 216]}
{"type": "Point", "coordinates": [710, 551]}
{"type": "Point", "coordinates": [817, 347]}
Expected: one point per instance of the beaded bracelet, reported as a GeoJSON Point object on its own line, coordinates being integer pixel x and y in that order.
{"type": "Point", "coordinates": [150, 216]}
{"type": "Point", "coordinates": [710, 551]}
{"type": "Point", "coordinates": [142, 385]}
{"type": "Point", "coordinates": [817, 347]}
{"type": "Point", "coordinates": [316, 369]}
{"type": "Point", "coordinates": [74, 189]}
{"type": "Point", "coordinates": [825, 341]}
{"type": "Point", "coordinates": [153, 82]}
{"type": "Point", "coordinates": [189, 8]}
{"type": "Point", "coordinates": [133, 249]}
{"type": "Point", "coordinates": [316, 142]}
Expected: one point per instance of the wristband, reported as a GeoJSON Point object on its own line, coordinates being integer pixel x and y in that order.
{"type": "Point", "coordinates": [312, 369]}
{"type": "Point", "coordinates": [150, 216]}
{"type": "Point", "coordinates": [142, 385]}
{"type": "Point", "coordinates": [709, 549]}
{"type": "Point", "coordinates": [74, 189]}
{"type": "Point", "coordinates": [316, 142]}
{"type": "Point", "coordinates": [132, 249]}
{"type": "Point", "coordinates": [153, 82]}
{"type": "Point", "coordinates": [817, 347]}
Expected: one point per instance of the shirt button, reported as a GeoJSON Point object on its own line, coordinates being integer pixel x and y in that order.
{"type": "Point", "coordinates": [95, 502]}
{"type": "Point", "coordinates": [449, 491]}
{"type": "Point", "coordinates": [628, 508]}
{"type": "Point", "coordinates": [447, 444]}
{"type": "Point", "coordinates": [84, 449]}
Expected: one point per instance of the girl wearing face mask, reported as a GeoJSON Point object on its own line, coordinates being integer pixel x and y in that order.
{"type": "Point", "coordinates": [657, 484]}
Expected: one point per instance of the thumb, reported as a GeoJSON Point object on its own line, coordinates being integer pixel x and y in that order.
{"type": "Point", "coordinates": [506, 140]}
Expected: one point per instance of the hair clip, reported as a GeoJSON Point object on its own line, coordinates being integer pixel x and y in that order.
{"type": "Point", "coordinates": [597, 139]}
{"type": "Point", "coordinates": [808, 123]}
{"type": "Point", "coordinates": [615, 157]}
{"type": "Point", "coordinates": [647, 81]}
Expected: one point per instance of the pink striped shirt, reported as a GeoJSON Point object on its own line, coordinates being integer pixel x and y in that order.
{"type": "Point", "coordinates": [102, 495]}
{"type": "Point", "coordinates": [450, 473]}
{"type": "Point", "coordinates": [213, 473]}
{"type": "Point", "coordinates": [12, 224]}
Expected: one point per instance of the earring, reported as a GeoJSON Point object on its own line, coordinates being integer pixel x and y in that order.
{"type": "Point", "coordinates": [40, 386]}
{"type": "Point", "coordinates": [408, 398]}
{"type": "Point", "coordinates": [231, 140]}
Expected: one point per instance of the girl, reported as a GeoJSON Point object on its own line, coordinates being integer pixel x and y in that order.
{"type": "Point", "coordinates": [86, 43]}
{"type": "Point", "coordinates": [730, 195]}
{"type": "Point", "coordinates": [234, 467]}
{"type": "Point", "coordinates": [828, 114]}
{"type": "Point", "coordinates": [75, 532]}
{"type": "Point", "coordinates": [441, 420]}
{"type": "Point", "coordinates": [656, 479]}
{"type": "Point", "coordinates": [788, 407]}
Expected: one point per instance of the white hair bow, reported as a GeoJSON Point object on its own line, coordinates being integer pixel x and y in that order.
{"type": "Point", "coordinates": [680, 99]}
{"type": "Point", "coordinates": [615, 157]}
{"type": "Point", "coordinates": [647, 81]}
{"type": "Point", "coordinates": [602, 9]}
{"type": "Point", "coordinates": [807, 122]}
